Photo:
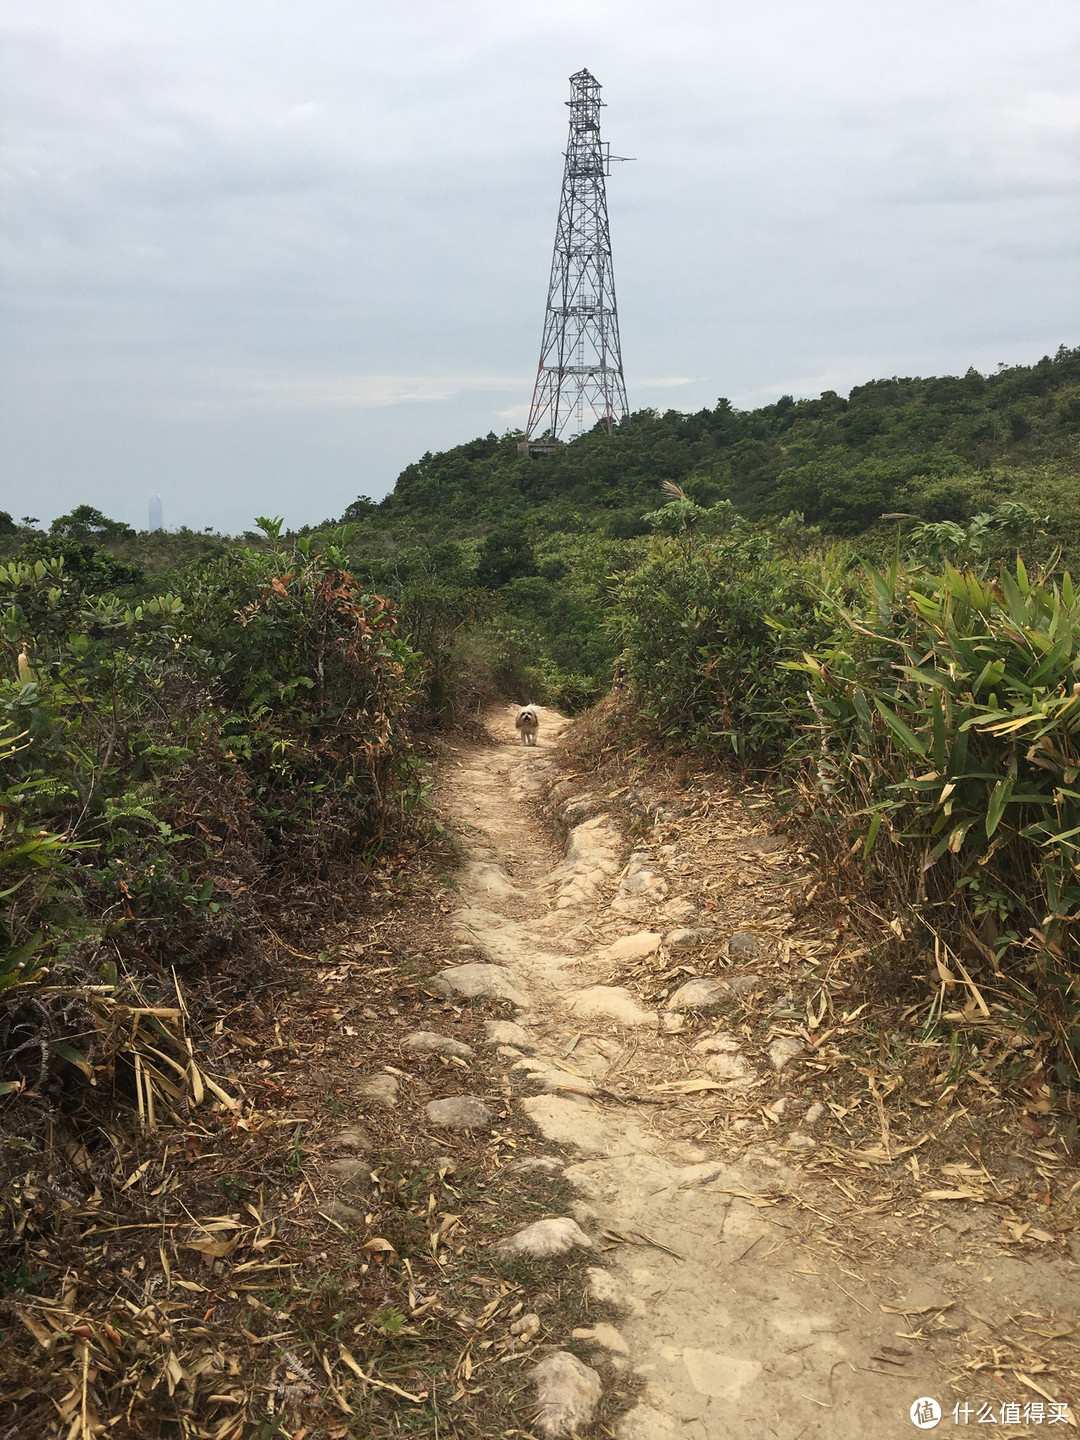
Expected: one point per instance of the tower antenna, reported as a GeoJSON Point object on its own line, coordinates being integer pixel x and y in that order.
{"type": "Point", "coordinates": [580, 377]}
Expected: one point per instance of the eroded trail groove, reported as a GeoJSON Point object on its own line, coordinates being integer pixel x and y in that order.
{"type": "Point", "coordinates": [777, 1271]}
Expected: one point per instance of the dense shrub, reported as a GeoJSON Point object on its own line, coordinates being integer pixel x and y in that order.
{"type": "Point", "coordinates": [932, 713]}
{"type": "Point", "coordinates": [163, 759]}
{"type": "Point", "coordinates": [705, 626]}
{"type": "Point", "coordinates": [947, 711]}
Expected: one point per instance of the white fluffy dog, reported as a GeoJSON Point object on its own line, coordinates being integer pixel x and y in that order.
{"type": "Point", "coordinates": [527, 724]}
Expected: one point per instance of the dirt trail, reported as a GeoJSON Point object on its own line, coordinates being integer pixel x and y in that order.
{"type": "Point", "coordinates": [754, 1296]}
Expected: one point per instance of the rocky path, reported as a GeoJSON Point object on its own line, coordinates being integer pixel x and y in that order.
{"type": "Point", "coordinates": [756, 1297]}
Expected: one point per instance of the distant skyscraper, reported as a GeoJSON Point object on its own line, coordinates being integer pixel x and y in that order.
{"type": "Point", "coordinates": [157, 518]}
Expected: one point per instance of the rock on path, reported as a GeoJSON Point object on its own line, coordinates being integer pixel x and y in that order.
{"type": "Point", "coordinates": [633, 947]}
{"type": "Point", "coordinates": [610, 1002]}
{"type": "Point", "coordinates": [482, 982]}
{"type": "Point", "coordinates": [505, 1032]}
{"type": "Point", "coordinates": [460, 1112]}
{"type": "Point", "coordinates": [567, 1394]}
{"type": "Point", "coordinates": [428, 1042]}
{"type": "Point", "coordinates": [381, 1090]}
{"type": "Point", "coordinates": [700, 993]}
{"type": "Point", "coordinates": [555, 1236]}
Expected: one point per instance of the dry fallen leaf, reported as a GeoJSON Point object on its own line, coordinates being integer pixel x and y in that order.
{"type": "Point", "coordinates": [915, 1309]}
{"type": "Point", "coordinates": [966, 1194]}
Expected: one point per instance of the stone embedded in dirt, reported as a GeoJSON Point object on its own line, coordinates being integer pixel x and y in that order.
{"type": "Point", "coordinates": [381, 1090]}
{"type": "Point", "coordinates": [348, 1171]}
{"type": "Point", "coordinates": [735, 1068]}
{"type": "Point", "coordinates": [526, 1327]}
{"type": "Point", "coordinates": [460, 1112]}
{"type": "Point", "coordinates": [545, 1073]}
{"type": "Point", "coordinates": [342, 1213]}
{"type": "Point", "coordinates": [783, 1049]}
{"type": "Point", "coordinates": [481, 982]}
{"type": "Point", "coordinates": [743, 984]}
{"type": "Point", "coordinates": [686, 938]}
{"type": "Point", "coordinates": [577, 808]}
{"type": "Point", "coordinates": [645, 1423]}
{"type": "Point", "coordinates": [594, 842]}
{"type": "Point", "coordinates": [531, 1064]}
{"type": "Point", "coordinates": [797, 1140]}
{"type": "Point", "coordinates": [611, 1002]}
{"type": "Point", "coordinates": [567, 1394]}
{"type": "Point", "coordinates": [592, 855]}
{"type": "Point", "coordinates": [672, 1024]}
{"type": "Point", "coordinates": [700, 993]}
{"type": "Point", "coordinates": [568, 1120]}
{"type": "Point", "coordinates": [603, 1334]}
{"type": "Point", "coordinates": [639, 886]}
{"type": "Point", "coordinates": [680, 910]}
{"type": "Point", "coordinates": [583, 1212]}
{"type": "Point", "coordinates": [718, 1044]}
{"type": "Point", "coordinates": [487, 878]}
{"type": "Point", "coordinates": [777, 1108]}
{"type": "Point", "coordinates": [608, 1289]}
{"type": "Point", "coordinates": [351, 1138]}
{"type": "Point", "coordinates": [444, 1164]}
{"type": "Point", "coordinates": [814, 1114]}
{"type": "Point", "coordinates": [505, 1032]}
{"type": "Point", "coordinates": [555, 1236]}
{"type": "Point", "coordinates": [633, 947]}
{"type": "Point", "coordinates": [722, 1376]}
{"type": "Point", "coordinates": [548, 1163]}
{"type": "Point", "coordinates": [743, 946]}
{"type": "Point", "coordinates": [427, 1042]}
{"type": "Point", "coordinates": [702, 1173]}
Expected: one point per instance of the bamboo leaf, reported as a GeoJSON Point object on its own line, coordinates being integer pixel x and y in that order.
{"type": "Point", "coordinates": [907, 737]}
{"type": "Point", "coordinates": [999, 798]}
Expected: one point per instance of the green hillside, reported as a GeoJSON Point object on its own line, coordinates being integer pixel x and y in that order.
{"type": "Point", "coordinates": [942, 448]}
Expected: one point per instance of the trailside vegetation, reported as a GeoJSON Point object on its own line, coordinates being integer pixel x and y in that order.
{"type": "Point", "coordinates": [170, 768]}
{"type": "Point", "coordinates": [540, 536]}
{"type": "Point", "coordinates": [869, 599]}
{"type": "Point", "coordinates": [926, 714]}
{"type": "Point", "coordinates": [829, 589]}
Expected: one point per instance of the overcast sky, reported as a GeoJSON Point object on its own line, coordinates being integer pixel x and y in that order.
{"type": "Point", "coordinates": [260, 254]}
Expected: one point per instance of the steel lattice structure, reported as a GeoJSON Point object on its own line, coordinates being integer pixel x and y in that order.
{"type": "Point", "coordinates": [580, 377]}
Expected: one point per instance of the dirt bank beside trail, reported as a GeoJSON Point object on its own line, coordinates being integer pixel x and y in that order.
{"type": "Point", "coordinates": [805, 1226]}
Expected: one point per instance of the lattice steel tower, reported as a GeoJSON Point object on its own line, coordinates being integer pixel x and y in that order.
{"type": "Point", "coordinates": [580, 378]}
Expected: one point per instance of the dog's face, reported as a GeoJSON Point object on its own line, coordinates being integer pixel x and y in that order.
{"type": "Point", "coordinates": [526, 717]}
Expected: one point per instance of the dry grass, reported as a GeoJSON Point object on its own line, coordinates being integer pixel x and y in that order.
{"type": "Point", "coordinates": [181, 1260]}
